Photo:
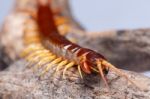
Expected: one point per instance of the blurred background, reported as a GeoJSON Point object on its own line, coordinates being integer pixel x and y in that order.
{"type": "Point", "coordinates": [100, 15]}
{"type": "Point", "coordinates": [112, 14]}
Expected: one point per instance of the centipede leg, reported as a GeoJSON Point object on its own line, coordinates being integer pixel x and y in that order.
{"type": "Point", "coordinates": [71, 64]}
{"type": "Point", "coordinates": [33, 39]}
{"type": "Point", "coordinates": [80, 72]}
{"type": "Point", "coordinates": [49, 66]}
{"type": "Point", "coordinates": [61, 64]}
{"type": "Point", "coordinates": [94, 69]}
{"type": "Point", "coordinates": [33, 58]}
{"type": "Point", "coordinates": [44, 60]}
{"type": "Point", "coordinates": [62, 27]}
{"type": "Point", "coordinates": [99, 65]}
{"type": "Point", "coordinates": [31, 48]}
{"type": "Point", "coordinates": [36, 53]}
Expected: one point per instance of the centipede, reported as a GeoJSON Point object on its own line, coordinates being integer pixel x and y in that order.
{"type": "Point", "coordinates": [44, 41]}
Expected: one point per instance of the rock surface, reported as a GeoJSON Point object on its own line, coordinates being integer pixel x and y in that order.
{"type": "Point", "coordinates": [128, 49]}
{"type": "Point", "coordinates": [19, 82]}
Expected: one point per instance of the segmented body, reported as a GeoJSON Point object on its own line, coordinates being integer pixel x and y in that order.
{"type": "Point", "coordinates": [60, 45]}
{"type": "Point", "coordinates": [47, 44]}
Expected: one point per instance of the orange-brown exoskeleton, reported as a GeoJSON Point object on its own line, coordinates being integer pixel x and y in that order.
{"type": "Point", "coordinates": [68, 54]}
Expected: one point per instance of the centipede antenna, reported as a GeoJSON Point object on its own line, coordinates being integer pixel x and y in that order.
{"type": "Point", "coordinates": [80, 72]}
{"type": "Point", "coordinates": [107, 64]}
{"type": "Point", "coordinates": [99, 65]}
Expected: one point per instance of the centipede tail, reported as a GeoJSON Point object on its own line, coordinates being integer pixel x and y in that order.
{"type": "Point", "coordinates": [53, 48]}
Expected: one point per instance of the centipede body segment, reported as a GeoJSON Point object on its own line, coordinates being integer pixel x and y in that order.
{"type": "Point", "coordinates": [44, 42]}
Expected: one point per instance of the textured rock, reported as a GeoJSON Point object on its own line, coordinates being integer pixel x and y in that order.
{"type": "Point", "coordinates": [19, 82]}
{"type": "Point", "coordinates": [127, 49]}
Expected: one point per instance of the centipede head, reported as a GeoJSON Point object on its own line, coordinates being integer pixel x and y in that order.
{"type": "Point", "coordinates": [89, 62]}
{"type": "Point", "coordinates": [95, 62]}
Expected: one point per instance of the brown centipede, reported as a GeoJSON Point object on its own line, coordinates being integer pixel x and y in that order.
{"type": "Point", "coordinates": [62, 52]}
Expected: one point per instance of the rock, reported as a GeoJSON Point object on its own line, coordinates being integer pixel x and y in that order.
{"type": "Point", "coordinates": [125, 49]}
{"type": "Point", "coordinates": [19, 82]}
